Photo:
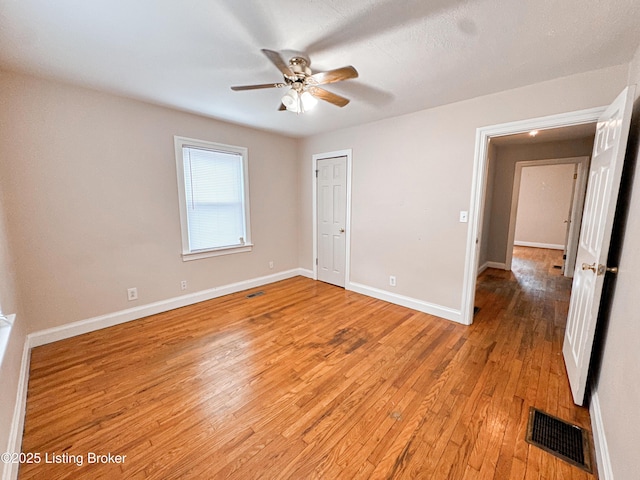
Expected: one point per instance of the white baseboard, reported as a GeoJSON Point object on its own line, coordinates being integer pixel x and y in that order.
{"type": "Point", "coordinates": [42, 337]}
{"type": "Point", "coordinates": [50, 335]}
{"type": "Point", "coordinates": [603, 459]}
{"type": "Point", "coordinates": [10, 471]}
{"type": "Point", "coordinates": [69, 330]}
{"type": "Point", "coordinates": [498, 265]}
{"type": "Point", "coordinates": [553, 246]}
{"type": "Point", "coordinates": [415, 304]}
{"type": "Point", "coordinates": [306, 273]}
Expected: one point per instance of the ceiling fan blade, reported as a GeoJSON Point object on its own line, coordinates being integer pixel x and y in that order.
{"type": "Point", "coordinates": [337, 75]}
{"type": "Point", "coordinates": [277, 60]}
{"type": "Point", "coordinates": [327, 96]}
{"type": "Point", "coordinates": [256, 87]}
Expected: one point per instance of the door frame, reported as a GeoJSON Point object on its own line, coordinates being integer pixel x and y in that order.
{"type": "Point", "coordinates": [314, 189]}
{"type": "Point", "coordinates": [479, 186]}
{"type": "Point", "coordinates": [577, 200]}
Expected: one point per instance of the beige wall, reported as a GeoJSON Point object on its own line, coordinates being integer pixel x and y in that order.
{"type": "Point", "coordinates": [412, 175]}
{"type": "Point", "coordinates": [618, 387]}
{"type": "Point", "coordinates": [505, 165]}
{"type": "Point", "coordinates": [544, 204]}
{"type": "Point", "coordinates": [90, 191]}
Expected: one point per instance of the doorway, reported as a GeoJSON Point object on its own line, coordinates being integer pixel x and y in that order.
{"type": "Point", "coordinates": [605, 173]}
{"type": "Point", "coordinates": [546, 205]}
{"type": "Point", "coordinates": [332, 217]}
{"type": "Point", "coordinates": [482, 178]}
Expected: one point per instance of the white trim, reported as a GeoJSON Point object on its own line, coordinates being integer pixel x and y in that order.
{"type": "Point", "coordinates": [10, 471]}
{"type": "Point", "coordinates": [305, 272]}
{"type": "Point", "coordinates": [553, 246]}
{"type": "Point", "coordinates": [6, 323]}
{"type": "Point", "coordinates": [216, 252]}
{"type": "Point", "coordinates": [605, 472]}
{"type": "Point", "coordinates": [69, 330]}
{"type": "Point", "coordinates": [413, 303]}
{"type": "Point", "coordinates": [187, 253]}
{"type": "Point", "coordinates": [498, 265]}
{"type": "Point", "coordinates": [485, 265]}
{"type": "Point", "coordinates": [577, 208]}
{"type": "Point", "coordinates": [314, 206]}
{"type": "Point", "coordinates": [479, 183]}
{"type": "Point", "coordinates": [42, 337]}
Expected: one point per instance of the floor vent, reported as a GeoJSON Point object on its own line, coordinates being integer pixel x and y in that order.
{"type": "Point", "coordinates": [255, 294]}
{"type": "Point", "coordinates": [557, 266]}
{"type": "Point", "coordinates": [564, 440]}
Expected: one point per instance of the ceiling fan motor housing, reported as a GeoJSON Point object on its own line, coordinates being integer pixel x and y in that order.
{"type": "Point", "coordinates": [300, 66]}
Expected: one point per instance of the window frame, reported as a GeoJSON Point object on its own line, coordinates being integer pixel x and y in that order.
{"type": "Point", "coordinates": [187, 253]}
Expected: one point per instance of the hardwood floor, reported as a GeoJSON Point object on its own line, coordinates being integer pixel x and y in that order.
{"type": "Point", "coordinates": [312, 381]}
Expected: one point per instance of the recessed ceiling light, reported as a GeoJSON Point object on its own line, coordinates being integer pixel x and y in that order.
{"type": "Point", "coordinates": [533, 133]}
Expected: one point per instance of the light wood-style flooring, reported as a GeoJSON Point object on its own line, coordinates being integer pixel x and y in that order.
{"type": "Point", "coordinates": [312, 381]}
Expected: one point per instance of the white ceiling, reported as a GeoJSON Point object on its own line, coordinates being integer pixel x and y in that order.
{"type": "Point", "coordinates": [573, 132]}
{"type": "Point", "coordinates": [411, 54]}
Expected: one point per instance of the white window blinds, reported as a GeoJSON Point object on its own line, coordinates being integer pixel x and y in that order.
{"type": "Point", "coordinates": [214, 198]}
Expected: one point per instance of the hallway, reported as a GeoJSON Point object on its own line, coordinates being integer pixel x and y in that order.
{"type": "Point", "coordinates": [530, 304]}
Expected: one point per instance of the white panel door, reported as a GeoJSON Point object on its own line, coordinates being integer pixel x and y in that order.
{"type": "Point", "coordinates": [332, 210]}
{"type": "Point", "coordinates": [597, 222]}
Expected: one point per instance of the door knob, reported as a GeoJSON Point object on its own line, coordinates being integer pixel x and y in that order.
{"type": "Point", "coordinates": [600, 269]}
{"type": "Point", "coordinates": [342, 230]}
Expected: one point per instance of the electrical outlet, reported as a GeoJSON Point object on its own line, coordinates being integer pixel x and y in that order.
{"type": "Point", "coordinates": [392, 280]}
{"type": "Point", "coordinates": [132, 293]}
{"type": "Point", "coordinates": [271, 264]}
{"type": "Point", "coordinates": [183, 285]}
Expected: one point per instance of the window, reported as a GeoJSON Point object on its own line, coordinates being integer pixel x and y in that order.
{"type": "Point", "coordinates": [213, 186]}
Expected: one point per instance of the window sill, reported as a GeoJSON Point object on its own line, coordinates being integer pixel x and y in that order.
{"type": "Point", "coordinates": [216, 252]}
{"type": "Point", "coordinates": [5, 331]}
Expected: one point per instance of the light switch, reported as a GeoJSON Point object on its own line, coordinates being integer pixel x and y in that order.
{"type": "Point", "coordinates": [464, 216]}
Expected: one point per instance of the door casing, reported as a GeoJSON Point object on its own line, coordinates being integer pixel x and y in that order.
{"type": "Point", "coordinates": [479, 185]}
{"type": "Point", "coordinates": [314, 166]}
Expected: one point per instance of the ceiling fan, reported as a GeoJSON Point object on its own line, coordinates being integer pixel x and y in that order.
{"type": "Point", "coordinates": [304, 92]}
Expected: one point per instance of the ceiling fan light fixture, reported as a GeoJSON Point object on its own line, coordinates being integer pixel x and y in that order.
{"type": "Point", "coordinates": [299, 102]}
{"type": "Point", "coordinates": [308, 101]}
{"type": "Point", "coordinates": [304, 91]}
{"type": "Point", "coordinates": [291, 100]}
